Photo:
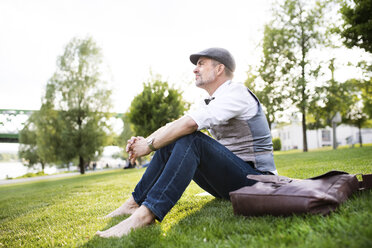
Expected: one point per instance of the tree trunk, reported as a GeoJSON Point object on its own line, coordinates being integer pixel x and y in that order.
{"type": "Point", "coordinates": [42, 167]}
{"type": "Point", "coordinates": [304, 130]}
{"type": "Point", "coordinates": [360, 135]}
{"type": "Point", "coordinates": [317, 138]}
{"type": "Point", "coordinates": [81, 160]}
{"type": "Point", "coordinates": [269, 122]}
{"type": "Point", "coordinates": [303, 85]}
{"type": "Point", "coordinates": [81, 165]}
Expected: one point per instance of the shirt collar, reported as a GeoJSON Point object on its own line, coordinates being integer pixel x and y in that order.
{"type": "Point", "coordinates": [220, 90]}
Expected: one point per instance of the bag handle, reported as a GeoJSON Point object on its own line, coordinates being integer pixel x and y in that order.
{"type": "Point", "coordinates": [366, 183]}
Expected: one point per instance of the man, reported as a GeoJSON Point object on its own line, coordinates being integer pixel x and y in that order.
{"type": "Point", "coordinates": [243, 146]}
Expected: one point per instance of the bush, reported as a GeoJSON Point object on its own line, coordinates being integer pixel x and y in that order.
{"type": "Point", "coordinates": [31, 174]}
{"type": "Point", "coordinates": [277, 144]}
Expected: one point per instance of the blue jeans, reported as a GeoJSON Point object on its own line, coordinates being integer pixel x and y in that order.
{"type": "Point", "coordinates": [195, 157]}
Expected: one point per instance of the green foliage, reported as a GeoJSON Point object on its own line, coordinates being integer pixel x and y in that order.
{"type": "Point", "coordinates": [34, 145]}
{"type": "Point", "coordinates": [157, 105]}
{"type": "Point", "coordinates": [365, 87]}
{"type": "Point", "coordinates": [72, 120]}
{"type": "Point", "coordinates": [123, 138]}
{"type": "Point", "coordinates": [31, 174]}
{"type": "Point", "coordinates": [275, 64]}
{"type": "Point", "coordinates": [330, 98]}
{"type": "Point", "coordinates": [277, 144]}
{"type": "Point", "coordinates": [366, 96]}
{"type": "Point", "coordinates": [66, 212]}
{"type": "Point", "coordinates": [356, 114]}
{"type": "Point", "coordinates": [295, 32]}
{"type": "Point", "coordinates": [351, 98]}
{"type": "Point", "coordinates": [83, 101]}
{"type": "Point", "coordinates": [368, 124]}
{"type": "Point", "coordinates": [357, 27]}
{"type": "Point", "coordinates": [125, 135]}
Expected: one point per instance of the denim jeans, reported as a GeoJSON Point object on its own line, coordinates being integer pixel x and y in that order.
{"type": "Point", "coordinates": [195, 157]}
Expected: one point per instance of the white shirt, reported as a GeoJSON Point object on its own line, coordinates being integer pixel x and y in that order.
{"type": "Point", "coordinates": [231, 100]}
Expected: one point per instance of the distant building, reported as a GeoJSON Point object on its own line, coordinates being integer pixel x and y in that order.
{"type": "Point", "coordinates": [291, 136]}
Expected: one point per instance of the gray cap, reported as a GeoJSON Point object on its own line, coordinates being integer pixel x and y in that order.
{"type": "Point", "coordinates": [220, 54]}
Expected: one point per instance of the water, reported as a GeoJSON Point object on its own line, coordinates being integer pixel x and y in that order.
{"type": "Point", "coordinates": [12, 169]}
{"type": "Point", "coordinates": [17, 169]}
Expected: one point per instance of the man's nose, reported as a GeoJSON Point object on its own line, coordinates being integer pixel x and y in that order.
{"type": "Point", "coordinates": [196, 69]}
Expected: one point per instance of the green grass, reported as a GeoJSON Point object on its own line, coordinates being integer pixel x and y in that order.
{"type": "Point", "coordinates": [67, 212]}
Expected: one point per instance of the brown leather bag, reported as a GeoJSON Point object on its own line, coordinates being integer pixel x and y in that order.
{"type": "Point", "coordinates": [281, 196]}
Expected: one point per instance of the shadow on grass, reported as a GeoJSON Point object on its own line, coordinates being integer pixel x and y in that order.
{"type": "Point", "coordinates": [215, 225]}
{"type": "Point", "coordinates": [151, 236]}
{"type": "Point", "coordinates": [144, 237]}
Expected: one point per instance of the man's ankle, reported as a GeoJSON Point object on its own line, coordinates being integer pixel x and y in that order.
{"type": "Point", "coordinates": [132, 202]}
{"type": "Point", "coordinates": [145, 214]}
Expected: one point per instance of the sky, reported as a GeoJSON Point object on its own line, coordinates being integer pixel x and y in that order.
{"type": "Point", "coordinates": [137, 38]}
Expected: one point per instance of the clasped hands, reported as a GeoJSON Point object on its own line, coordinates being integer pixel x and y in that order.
{"type": "Point", "coordinates": [137, 147]}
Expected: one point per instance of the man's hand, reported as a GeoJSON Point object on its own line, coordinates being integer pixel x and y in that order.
{"type": "Point", "coordinates": [130, 143]}
{"type": "Point", "coordinates": [128, 149]}
{"type": "Point", "coordinates": [137, 147]}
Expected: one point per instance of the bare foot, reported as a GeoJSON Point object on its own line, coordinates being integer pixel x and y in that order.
{"type": "Point", "coordinates": [140, 218]}
{"type": "Point", "coordinates": [127, 208]}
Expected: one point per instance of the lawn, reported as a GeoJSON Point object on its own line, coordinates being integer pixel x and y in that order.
{"type": "Point", "coordinates": [67, 212]}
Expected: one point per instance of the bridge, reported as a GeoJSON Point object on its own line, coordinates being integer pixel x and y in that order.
{"type": "Point", "coordinates": [13, 120]}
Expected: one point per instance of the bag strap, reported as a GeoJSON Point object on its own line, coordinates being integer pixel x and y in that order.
{"type": "Point", "coordinates": [366, 182]}
{"type": "Point", "coordinates": [270, 179]}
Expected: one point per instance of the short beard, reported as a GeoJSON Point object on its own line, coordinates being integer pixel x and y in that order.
{"type": "Point", "coordinates": [210, 78]}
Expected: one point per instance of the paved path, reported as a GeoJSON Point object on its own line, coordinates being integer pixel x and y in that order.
{"type": "Point", "coordinates": [30, 179]}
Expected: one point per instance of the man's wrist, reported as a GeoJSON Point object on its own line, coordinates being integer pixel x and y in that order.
{"type": "Point", "coordinates": [150, 143]}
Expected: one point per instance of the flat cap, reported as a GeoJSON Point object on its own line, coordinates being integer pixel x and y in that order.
{"type": "Point", "coordinates": [220, 54]}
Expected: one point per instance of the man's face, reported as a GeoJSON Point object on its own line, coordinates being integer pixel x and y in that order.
{"type": "Point", "coordinates": [205, 72]}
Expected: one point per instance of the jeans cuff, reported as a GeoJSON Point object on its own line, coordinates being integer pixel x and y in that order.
{"type": "Point", "coordinates": [158, 216]}
{"type": "Point", "coordinates": [134, 197]}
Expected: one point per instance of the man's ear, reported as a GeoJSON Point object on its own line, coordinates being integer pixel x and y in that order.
{"type": "Point", "coordinates": [220, 69]}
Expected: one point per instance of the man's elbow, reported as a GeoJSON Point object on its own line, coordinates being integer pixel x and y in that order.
{"type": "Point", "coordinates": [190, 125]}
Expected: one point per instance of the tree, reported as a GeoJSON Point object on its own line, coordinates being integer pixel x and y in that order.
{"type": "Point", "coordinates": [357, 27]}
{"type": "Point", "coordinates": [330, 98]}
{"type": "Point", "coordinates": [126, 134]}
{"type": "Point", "coordinates": [155, 106]}
{"type": "Point", "coordinates": [80, 102]}
{"type": "Point", "coordinates": [365, 87]}
{"type": "Point", "coordinates": [37, 145]}
{"type": "Point", "coordinates": [300, 25]}
{"type": "Point", "coordinates": [356, 112]}
{"type": "Point", "coordinates": [274, 66]}
{"type": "Point", "coordinates": [277, 144]}
{"type": "Point", "coordinates": [28, 146]}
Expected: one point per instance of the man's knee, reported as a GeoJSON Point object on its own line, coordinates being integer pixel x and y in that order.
{"type": "Point", "coordinates": [183, 141]}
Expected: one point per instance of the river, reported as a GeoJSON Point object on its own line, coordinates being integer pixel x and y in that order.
{"type": "Point", "coordinates": [16, 169]}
